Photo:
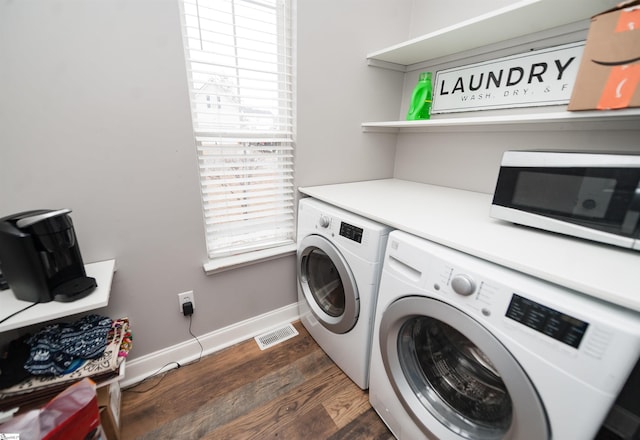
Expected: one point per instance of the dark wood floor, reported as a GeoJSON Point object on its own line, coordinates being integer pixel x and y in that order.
{"type": "Point", "coordinates": [290, 391]}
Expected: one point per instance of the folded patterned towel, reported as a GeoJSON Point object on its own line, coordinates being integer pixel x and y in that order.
{"type": "Point", "coordinates": [57, 347]}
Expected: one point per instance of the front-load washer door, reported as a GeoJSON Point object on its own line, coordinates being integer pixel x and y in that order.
{"type": "Point", "coordinates": [328, 284]}
{"type": "Point", "coordinates": [454, 378]}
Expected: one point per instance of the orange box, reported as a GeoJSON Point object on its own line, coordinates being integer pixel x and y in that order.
{"type": "Point", "coordinates": [609, 74]}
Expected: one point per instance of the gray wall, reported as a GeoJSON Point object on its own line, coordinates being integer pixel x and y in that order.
{"type": "Point", "coordinates": [94, 116]}
{"type": "Point", "coordinates": [428, 16]}
{"type": "Point", "coordinates": [337, 91]}
{"type": "Point", "coordinates": [468, 159]}
{"type": "Point", "coordinates": [471, 160]}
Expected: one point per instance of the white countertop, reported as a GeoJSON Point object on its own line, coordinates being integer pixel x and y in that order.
{"type": "Point", "coordinates": [103, 273]}
{"type": "Point", "coordinates": [460, 219]}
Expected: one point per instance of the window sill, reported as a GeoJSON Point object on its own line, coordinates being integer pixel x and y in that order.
{"type": "Point", "coordinates": [233, 262]}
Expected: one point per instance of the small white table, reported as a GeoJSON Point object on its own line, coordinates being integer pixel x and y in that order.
{"type": "Point", "coordinates": [103, 273]}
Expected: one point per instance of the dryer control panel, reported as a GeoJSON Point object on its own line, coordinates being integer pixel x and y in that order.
{"type": "Point", "coordinates": [351, 232]}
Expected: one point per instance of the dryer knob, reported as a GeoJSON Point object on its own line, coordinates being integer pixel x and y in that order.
{"type": "Point", "coordinates": [324, 221]}
{"type": "Point", "coordinates": [463, 285]}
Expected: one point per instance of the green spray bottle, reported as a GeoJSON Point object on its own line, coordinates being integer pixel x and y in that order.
{"type": "Point", "coordinates": [420, 106]}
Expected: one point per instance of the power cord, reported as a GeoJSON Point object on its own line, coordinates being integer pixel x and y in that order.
{"type": "Point", "coordinates": [159, 371]}
{"type": "Point", "coordinates": [19, 311]}
{"type": "Point", "coordinates": [151, 376]}
{"type": "Point", "coordinates": [197, 340]}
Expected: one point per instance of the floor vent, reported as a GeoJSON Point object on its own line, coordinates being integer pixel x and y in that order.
{"type": "Point", "coordinates": [276, 336]}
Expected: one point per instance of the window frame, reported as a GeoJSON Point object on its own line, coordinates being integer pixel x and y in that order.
{"type": "Point", "coordinates": [282, 141]}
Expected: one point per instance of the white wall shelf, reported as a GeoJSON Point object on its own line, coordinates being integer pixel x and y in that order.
{"type": "Point", "coordinates": [103, 273]}
{"type": "Point", "coordinates": [522, 18]}
{"type": "Point", "coordinates": [559, 120]}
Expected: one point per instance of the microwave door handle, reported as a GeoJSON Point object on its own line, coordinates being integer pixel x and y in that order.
{"type": "Point", "coordinates": [630, 222]}
{"type": "Point", "coordinates": [28, 221]}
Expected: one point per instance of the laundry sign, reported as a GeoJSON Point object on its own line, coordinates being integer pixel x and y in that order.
{"type": "Point", "coordinates": [536, 78]}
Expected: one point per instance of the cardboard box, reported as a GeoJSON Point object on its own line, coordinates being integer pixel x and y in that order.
{"type": "Point", "coordinates": [109, 398]}
{"type": "Point", "coordinates": [609, 74]}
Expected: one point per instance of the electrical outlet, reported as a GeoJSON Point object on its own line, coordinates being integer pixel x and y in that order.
{"type": "Point", "coordinates": [186, 297]}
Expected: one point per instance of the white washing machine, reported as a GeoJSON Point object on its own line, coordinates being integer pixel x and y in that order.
{"type": "Point", "coordinates": [466, 349]}
{"type": "Point", "coordinates": [339, 263]}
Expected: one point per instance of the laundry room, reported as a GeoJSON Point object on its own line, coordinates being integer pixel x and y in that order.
{"type": "Point", "coordinates": [98, 102]}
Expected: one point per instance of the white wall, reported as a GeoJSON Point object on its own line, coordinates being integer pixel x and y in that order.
{"type": "Point", "coordinates": [94, 116]}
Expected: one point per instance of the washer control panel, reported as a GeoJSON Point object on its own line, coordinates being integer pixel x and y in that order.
{"type": "Point", "coordinates": [590, 340]}
{"type": "Point", "coordinates": [463, 284]}
{"type": "Point", "coordinates": [557, 325]}
{"type": "Point", "coordinates": [481, 295]}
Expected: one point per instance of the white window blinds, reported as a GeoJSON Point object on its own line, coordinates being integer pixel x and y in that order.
{"type": "Point", "coordinates": [240, 68]}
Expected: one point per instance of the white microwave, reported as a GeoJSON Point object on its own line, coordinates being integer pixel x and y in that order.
{"type": "Point", "coordinates": [591, 195]}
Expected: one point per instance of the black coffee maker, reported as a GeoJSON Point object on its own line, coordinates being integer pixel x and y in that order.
{"type": "Point", "coordinates": [40, 257]}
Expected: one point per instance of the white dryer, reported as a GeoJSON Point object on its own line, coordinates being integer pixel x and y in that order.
{"type": "Point", "coordinates": [466, 349]}
{"type": "Point", "coordinates": [339, 264]}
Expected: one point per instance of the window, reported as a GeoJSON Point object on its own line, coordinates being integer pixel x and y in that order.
{"type": "Point", "coordinates": [239, 56]}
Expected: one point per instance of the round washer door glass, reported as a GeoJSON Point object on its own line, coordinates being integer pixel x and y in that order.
{"type": "Point", "coordinates": [442, 362]}
{"type": "Point", "coordinates": [448, 372]}
{"type": "Point", "coordinates": [327, 284]}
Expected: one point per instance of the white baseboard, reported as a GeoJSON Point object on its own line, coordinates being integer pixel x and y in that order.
{"type": "Point", "coordinates": [188, 351]}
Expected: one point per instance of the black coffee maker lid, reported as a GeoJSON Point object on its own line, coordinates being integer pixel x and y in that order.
{"type": "Point", "coordinates": [41, 221]}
